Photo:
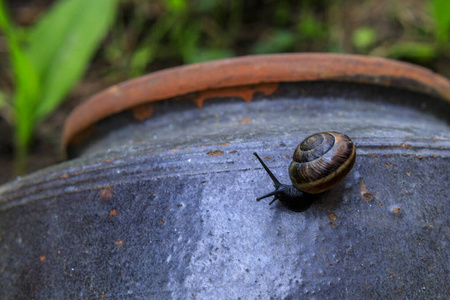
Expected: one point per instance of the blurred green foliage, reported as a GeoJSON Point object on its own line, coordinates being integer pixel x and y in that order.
{"type": "Point", "coordinates": [441, 14]}
{"type": "Point", "coordinates": [364, 38]}
{"type": "Point", "coordinates": [48, 59]}
{"type": "Point", "coordinates": [172, 32]}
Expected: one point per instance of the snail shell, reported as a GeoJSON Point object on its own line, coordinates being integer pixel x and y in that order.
{"type": "Point", "coordinates": [321, 161]}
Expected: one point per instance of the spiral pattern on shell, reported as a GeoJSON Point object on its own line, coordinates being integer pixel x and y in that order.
{"type": "Point", "coordinates": [321, 161]}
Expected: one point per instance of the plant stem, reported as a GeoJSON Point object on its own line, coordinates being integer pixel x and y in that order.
{"type": "Point", "coordinates": [20, 157]}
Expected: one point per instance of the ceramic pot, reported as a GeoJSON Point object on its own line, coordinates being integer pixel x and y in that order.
{"type": "Point", "coordinates": [158, 197]}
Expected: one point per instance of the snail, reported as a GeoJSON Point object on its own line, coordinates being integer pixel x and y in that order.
{"type": "Point", "coordinates": [320, 162]}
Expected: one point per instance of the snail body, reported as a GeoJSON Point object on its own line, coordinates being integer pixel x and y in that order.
{"type": "Point", "coordinates": [319, 162]}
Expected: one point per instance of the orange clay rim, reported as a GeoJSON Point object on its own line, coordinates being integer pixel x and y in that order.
{"type": "Point", "coordinates": [251, 71]}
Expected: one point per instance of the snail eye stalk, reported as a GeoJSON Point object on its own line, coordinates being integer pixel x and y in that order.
{"type": "Point", "coordinates": [283, 192]}
{"type": "Point", "coordinates": [274, 179]}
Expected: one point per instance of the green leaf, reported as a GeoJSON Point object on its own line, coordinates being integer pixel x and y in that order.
{"type": "Point", "coordinates": [278, 41]}
{"type": "Point", "coordinates": [441, 12]}
{"type": "Point", "coordinates": [176, 6]}
{"type": "Point", "coordinates": [26, 81]}
{"type": "Point", "coordinates": [187, 38]}
{"type": "Point", "coordinates": [27, 94]}
{"type": "Point", "coordinates": [5, 23]}
{"type": "Point", "coordinates": [421, 52]}
{"type": "Point", "coordinates": [63, 42]}
{"type": "Point", "coordinates": [3, 99]}
{"type": "Point", "coordinates": [364, 37]}
{"type": "Point", "coordinates": [207, 6]}
{"type": "Point", "coordinates": [309, 27]}
{"type": "Point", "coordinates": [140, 59]}
{"type": "Point", "coordinates": [206, 54]}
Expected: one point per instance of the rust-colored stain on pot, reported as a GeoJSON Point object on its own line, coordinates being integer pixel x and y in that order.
{"type": "Point", "coordinates": [215, 153]}
{"type": "Point", "coordinates": [142, 112]}
{"type": "Point", "coordinates": [332, 217]}
{"type": "Point", "coordinates": [106, 193]}
{"type": "Point", "coordinates": [245, 121]}
{"type": "Point", "coordinates": [374, 156]}
{"type": "Point", "coordinates": [365, 194]}
{"type": "Point", "coordinates": [403, 145]}
{"type": "Point", "coordinates": [113, 212]}
{"type": "Point", "coordinates": [118, 243]}
{"type": "Point", "coordinates": [243, 92]}
{"type": "Point", "coordinates": [243, 77]}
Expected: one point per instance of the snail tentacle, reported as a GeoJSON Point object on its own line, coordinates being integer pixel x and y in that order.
{"type": "Point", "coordinates": [276, 183]}
{"type": "Point", "coordinates": [289, 195]}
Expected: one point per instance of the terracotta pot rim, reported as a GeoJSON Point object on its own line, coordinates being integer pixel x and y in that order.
{"type": "Point", "coordinates": [251, 71]}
